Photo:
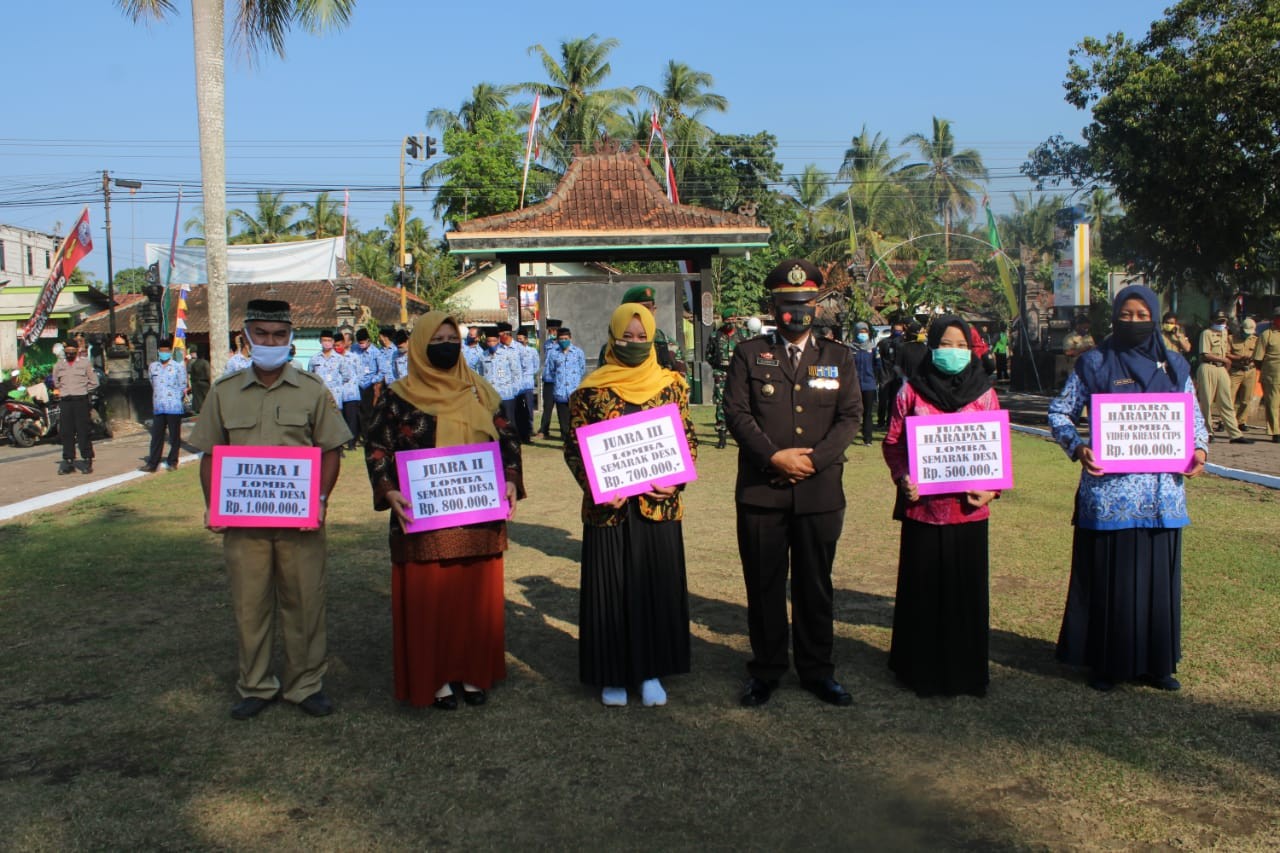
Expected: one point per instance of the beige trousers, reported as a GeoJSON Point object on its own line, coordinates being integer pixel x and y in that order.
{"type": "Point", "coordinates": [1213, 388]}
{"type": "Point", "coordinates": [1271, 401]}
{"type": "Point", "coordinates": [281, 569]}
{"type": "Point", "coordinates": [1242, 384]}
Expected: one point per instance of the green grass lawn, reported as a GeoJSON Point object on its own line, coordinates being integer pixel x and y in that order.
{"type": "Point", "coordinates": [118, 672]}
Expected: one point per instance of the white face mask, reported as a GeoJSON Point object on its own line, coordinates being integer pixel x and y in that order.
{"type": "Point", "coordinates": [269, 358]}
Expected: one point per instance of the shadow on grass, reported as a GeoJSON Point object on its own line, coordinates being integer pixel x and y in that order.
{"type": "Point", "coordinates": [550, 540]}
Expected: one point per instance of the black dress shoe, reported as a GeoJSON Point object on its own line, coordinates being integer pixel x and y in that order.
{"type": "Point", "coordinates": [86, 467]}
{"type": "Point", "coordinates": [66, 467]}
{"type": "Point", "coordinates": [445, 703]}
{"type": "Point", "coordinates": [474, 698]}
{"type": "Point", "coordinates": [722, 441]}
{"type": "Point", "coordinates": [249, 707]}
{"type": "Point", "coordinates": [757, 691]}
{"type": "Point", "coordinates": [317, 705]}
{"type": "Point", "coordinates": [1240, 439]}
{"type": "Point", "coordinates": [829, 691]}
{"type": "Point", "coordinates": [1164, 682]}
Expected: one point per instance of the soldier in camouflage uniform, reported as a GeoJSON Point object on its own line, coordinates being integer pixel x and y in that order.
{"type": "Point", "coordinates": [719, 352]}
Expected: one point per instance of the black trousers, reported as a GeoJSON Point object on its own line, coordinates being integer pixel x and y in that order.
{"type": "Point", "coordinates": [770, 541]}
{"type": "Point", "coordinates": [562, 417]}
{"type": "Point", "coordinates": [1002, 366]}
{"type": "Point", "coordinates": [161, 424]}
{"type": "Point", "coordinates": [548, 404]}
{"type": "Point", "coordinates": [868, 413]}
{"type": "Point", "coordinates": [366, 408]}
{"type": "Point", "coordinates": [888, 393]}
{"type": "Point", "coordinates": [73, 423]}
{"type": "Point", "coordinates": [351, 414]}
{"type": "Point", "coordinates": [508, 408]}
{"type": "Point", "coordinates": [525, 404]}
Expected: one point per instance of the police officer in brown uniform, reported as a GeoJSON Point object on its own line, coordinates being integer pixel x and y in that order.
{"type": "Point", "coordinates": [274, 403]}
{"type": "Point", "coordinates": [793, 404]}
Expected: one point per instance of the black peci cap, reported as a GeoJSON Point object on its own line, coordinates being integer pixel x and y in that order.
{"type": "Point", "coordinates": [268, 311]}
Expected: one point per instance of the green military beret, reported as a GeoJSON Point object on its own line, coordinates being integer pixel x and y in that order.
{"type": "Point", "coordinates": [639, 293]}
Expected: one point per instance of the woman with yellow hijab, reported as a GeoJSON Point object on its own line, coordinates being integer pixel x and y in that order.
{"type": "Point", "coordinates": [446, 585]}
{"type": "Point", "coordinates": [634, 608]}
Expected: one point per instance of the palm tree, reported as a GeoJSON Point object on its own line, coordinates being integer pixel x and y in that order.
{"type": "Point", "coordinates": [371, 254]}
{"type": "Point", "coordinates": [272, 224]}
{"type": "Point", "coordinates": [880, 203]}
{"type": "Point", "coordinates": [576, 109]}
{"type": "Point", "coordinates": [949, 178]}
{"type": "Point", "coordinates": [1030, 226]}
{"type": "Point", "coordinates": [195, 222]}
{"type": "Point", "coordinates": [259, 25]}
{"type": "Point", "coordinates": [322, 219]}
{"type": "Point", "coordinates": [809, 191]}
{"type": "Point", "coordinates": [1101, 204]}
{"type": "Point", "coordinates": [486, 99]}
{"type": "Point", "coordinates": [680, 104]}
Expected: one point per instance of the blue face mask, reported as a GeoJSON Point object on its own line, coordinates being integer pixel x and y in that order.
{"type": "Point", "coordinates": [863, 337]}
{"type": "Point", "coordinates": [951, 360]}
{"type": "Point", "coordinates": [165, 356]}
{"type": "Point", "coordinates": [564, 343]}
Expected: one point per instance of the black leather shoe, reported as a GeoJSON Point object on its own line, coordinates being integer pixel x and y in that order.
{"type": "Point", "coordinates": [757, 691]}
{"type": "Point", "coordinates": [86, 467]}
{"type": "Point", "coordinates": [1164, 682]}
{"type": "Point", "coordinates": [1240, 440]}
{"type": "Point", "coordinates": [445, 703]}
{"type": "Point", "coordinates": [66, 467]}
{"type": "Point", "coordinates": [317, 705]}
{"type": "Point", "coordinates": [829, 691]}
{"type": "Point", "coordinates": [475, 698]}
{"type": "Point", "coordinates": [249, 707]}
{"type": "Point", "coordinates": [722, 441]}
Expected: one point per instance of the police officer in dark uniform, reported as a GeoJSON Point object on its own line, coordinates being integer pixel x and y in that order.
{"type": "Point", "coordinates": [793, 404]}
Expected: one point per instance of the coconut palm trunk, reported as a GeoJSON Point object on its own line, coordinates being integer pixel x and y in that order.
{"type": "Point", "coordinates": [207, 21]}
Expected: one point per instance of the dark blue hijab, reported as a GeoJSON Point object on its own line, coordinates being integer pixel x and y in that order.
{"type": "Point", "coordinates": [1147, 365]}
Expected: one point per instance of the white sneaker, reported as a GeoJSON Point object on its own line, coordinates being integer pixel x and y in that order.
{"type": "Point", "coordinates": [613, 697]}
{"type": "Point", "coordinates": [165, 466]}
{"type": "Point", "coordinates": [653, 693]}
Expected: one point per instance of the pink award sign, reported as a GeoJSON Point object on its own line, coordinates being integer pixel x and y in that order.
{"type": "Point", "coordinates": [1142, 433]}
{"type": "Point", "coordinates": [265, 486]}
{"type": "Point", "coordinates": [630, 455]}
{"type": "Point", "coordinates": [960, 452]}
{"type": "Point", "coordinates": [453, 486]}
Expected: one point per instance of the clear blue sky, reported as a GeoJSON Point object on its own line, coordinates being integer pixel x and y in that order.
{"type": "Point", "coordinates": [93, 91]}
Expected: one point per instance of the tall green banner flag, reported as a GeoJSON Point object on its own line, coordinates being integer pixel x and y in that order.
{"type": "Point", "coordinates": [1002, 262]}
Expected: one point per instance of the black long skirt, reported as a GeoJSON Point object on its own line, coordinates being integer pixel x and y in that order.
{"type": "Point", "coordinates": [634, 609]}
{"type": "Point", "coordinates": [1123, 618]}
{"type": "Point", "coordinates": [942, 612]}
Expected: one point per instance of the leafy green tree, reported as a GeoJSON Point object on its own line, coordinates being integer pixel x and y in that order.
{"type": "Point", "coordinates": [575, 106]}
{"type": "Point", "coordinates": [321, 218]}
{"type": "Point", "coordinates": [948, 178]}
{"type": "Point", "coordinates": [259, 25]}
{"type": "Point", "coordinates": [809, 192]}
{"type": "Point", "coordinates": [130, 280]}
{"type": "Point", "coordinates": [272, 222]}
{"type": "Point", "coordinates": [370, 253]}
{"type": "Point", "coordinates": [877, 201]}
{"type": "Point", "coordinates": [1183, 128]}
{"type": "Point", "coordinates": [922, 289]}
{"type": "Point", "coordinates": [482, 173]}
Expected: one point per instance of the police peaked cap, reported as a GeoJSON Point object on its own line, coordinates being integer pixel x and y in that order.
{"type": "Point", "coordinates": [268, 311]}
{"type": "Point", "coordinates": [794, 279]}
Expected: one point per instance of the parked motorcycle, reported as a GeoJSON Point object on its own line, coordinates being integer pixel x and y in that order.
{"type": "Point", "coordinates": [26, 422]}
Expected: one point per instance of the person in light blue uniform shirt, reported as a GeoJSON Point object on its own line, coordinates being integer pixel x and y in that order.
{"type": "Point", "coordinates": [501, 368]}
{"type": "Point", "coordinates": [331, 367]}
{"type": "Point", "coordinates": [351, 388]}
{"type": "Point", "coordinates": [472, 350]}
{"type": "Point", "coordinates": [239, 359]}
{"type": "Point", "coordinates": [400, 358]}
{"type": "Point", "coordinates": [168, 385]}
{"type": "Point", "coordinates": [525, 400]}
{"type": "Point", "coordinates": [567, 364]}
{"type": "Point", "coordinates": [370, 376]}
{"type": "Point", "coordinates": [386, 359]}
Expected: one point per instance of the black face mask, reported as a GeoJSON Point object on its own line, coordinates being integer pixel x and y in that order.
{"type": "Point", "coordinates": [1130, 333]}
{"type": "Point", "coordinates": [444, 355]}
{"type": "Point", "coordinates": [795, 318]}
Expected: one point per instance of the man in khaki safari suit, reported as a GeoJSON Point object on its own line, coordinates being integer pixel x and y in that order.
{"type": "Point", "coordinates": [273, 403]}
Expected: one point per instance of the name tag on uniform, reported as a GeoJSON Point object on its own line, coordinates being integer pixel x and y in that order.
{"type": "Point", "coordinates": [767, 360]}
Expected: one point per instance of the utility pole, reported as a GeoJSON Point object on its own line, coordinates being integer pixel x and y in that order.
{"type": "Point", "coordinates": [111, 287]}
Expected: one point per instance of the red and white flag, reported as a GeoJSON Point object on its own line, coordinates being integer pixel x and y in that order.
{"type": "Point", "coordinates": [528, 144]}
{"type": "Point", "coordinates": [77, 244]}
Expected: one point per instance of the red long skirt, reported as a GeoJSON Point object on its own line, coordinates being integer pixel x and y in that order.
{"type": "Point", "coordinates": [447, 625]}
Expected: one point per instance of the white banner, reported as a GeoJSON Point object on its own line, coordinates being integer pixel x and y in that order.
{"type": "Point", "coordinates": [302, 260]}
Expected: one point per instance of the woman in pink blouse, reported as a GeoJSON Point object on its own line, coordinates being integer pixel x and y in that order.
{"type": "Point", "coordinates": [941, 617]}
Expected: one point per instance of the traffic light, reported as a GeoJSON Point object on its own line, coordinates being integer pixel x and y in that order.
{"type": "Point", "coordinates": [429, 147]}
{"type": "Point", "coordinates": [412, 146]}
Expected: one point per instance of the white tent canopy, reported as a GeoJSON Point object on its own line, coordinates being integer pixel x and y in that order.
{"type": "Point", "coordinates": [301, 260]}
